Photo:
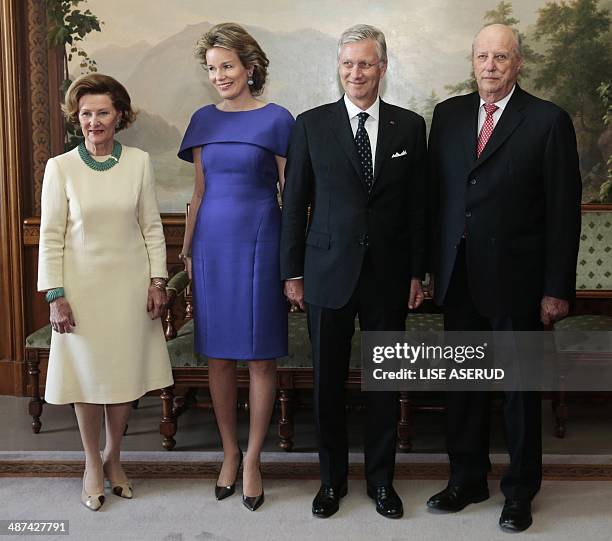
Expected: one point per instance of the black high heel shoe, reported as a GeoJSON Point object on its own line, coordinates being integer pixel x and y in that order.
{"type": "Point", "coordinates": [252, 503]}
{"type": "Point", "coordinates": [225, 492]}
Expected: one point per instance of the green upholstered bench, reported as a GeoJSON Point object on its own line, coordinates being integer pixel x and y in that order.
{"type": "Point", "coordinates": [593, 283]}
{"type": "Point", "coordinates": [585, 322]}
{"type": "Point", "coordinates": [37, 346]}
{"type": "Point", "coordinates": [294, 373]}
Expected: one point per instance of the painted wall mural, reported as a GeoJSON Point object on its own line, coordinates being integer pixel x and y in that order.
{"type": "Point", "coordinates": [148, 45]}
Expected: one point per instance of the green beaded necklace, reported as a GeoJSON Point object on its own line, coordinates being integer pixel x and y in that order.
{"type": "Point", "coordinates": [106, 164]}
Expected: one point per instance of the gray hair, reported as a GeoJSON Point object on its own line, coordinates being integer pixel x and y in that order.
{"type": "Point", "coordinates": [359, 32]}
{"type": "Point", "coordinates": [518, 49]}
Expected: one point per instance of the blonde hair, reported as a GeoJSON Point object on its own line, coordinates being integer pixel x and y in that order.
{"type": "Point", "coordinates": [234, 37]}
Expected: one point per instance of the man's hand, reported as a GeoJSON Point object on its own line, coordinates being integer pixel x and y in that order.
{"type": "Point", "coordinates": [156, 302]}
{"type": "Point", "coordinates": [416, 294]}
{"type": "Point", "coordinates": [294, 291]}
{"type": "Point", "coordinates": [60, 315]}
{"type": "Point", "coordinates": [553, 309]}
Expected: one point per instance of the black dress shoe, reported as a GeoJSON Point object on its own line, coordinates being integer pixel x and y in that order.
{"type": "Point", "coordinates": [327, 500]}
{"type": "Point", "coordinates": [388, 503]}
{"type": "Point", "coordinates": [455, 498]}
{"type": "Point", "coordinates": [516, 515]}
{"type": "Point", "coordinates": [225, 492]}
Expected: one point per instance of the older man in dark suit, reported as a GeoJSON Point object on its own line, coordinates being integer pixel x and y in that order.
{"type": "Point", "coordinates": [360, 165]}
{"type": "Point", "coordinates": [507, 187]}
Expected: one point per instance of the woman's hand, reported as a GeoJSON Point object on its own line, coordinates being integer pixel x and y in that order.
{"type": "Point", "coordinates": [60, 316]}
{"type": "Point", "coordinates": [156, 302]}
{"type": "Point", "coordinates": [187, 261]}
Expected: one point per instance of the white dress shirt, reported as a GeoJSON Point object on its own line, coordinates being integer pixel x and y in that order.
{"type": "Point", "coordinates": [371, 123]}
{"type": "Point", "coordinates": [482, 114]}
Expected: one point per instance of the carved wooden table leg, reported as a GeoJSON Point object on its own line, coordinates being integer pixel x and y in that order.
{"type": "Point", "coordinates": [285, 423]}
{"type": "Point", "coordinates": [403, 426]}
{"type": "Point", "coordinates": [561, 413]}
{"type": "Point", "coordinates": [168, 424]}
{"type": "Point", "coordinates": [35, 406]}
{"type": "Point", "coordinates": [183, 403]}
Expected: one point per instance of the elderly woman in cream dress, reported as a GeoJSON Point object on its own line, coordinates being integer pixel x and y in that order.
{"type": "Point", "coordinates": [102, 265]}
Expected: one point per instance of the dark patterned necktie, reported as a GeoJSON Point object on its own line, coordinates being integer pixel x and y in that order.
{"type": "Point", "coordinates": [364, 150]}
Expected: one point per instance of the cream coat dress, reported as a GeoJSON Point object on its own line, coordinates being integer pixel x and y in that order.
{"type": "Point", "coordinates": [101, 238]}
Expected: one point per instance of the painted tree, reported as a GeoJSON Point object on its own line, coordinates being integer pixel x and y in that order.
{"type": "Point", "coordinates": [502, 14]}
{"type": "Point", "coordinates": [428, 106]}
{"type": "Point", "coordinates": [605, 142]}
{"type": "Point", "coordinates": [577, 60]}
{"type": "Point", "coordinates": [68, 27]}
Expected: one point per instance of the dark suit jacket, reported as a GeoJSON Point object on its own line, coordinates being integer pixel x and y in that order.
{"type": "Point", "coordinates": [323, 171]}
{"type": "Point", "coordinates": [519, 203]}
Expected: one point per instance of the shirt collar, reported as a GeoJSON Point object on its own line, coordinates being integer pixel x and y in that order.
{"type": "Point", "coordinates": [353, 110]}
{"type": "Point", "coordinates": [503, 102]}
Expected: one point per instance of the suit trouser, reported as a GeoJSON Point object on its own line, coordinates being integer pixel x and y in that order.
{"type": "Point", "coordinates": [468, 413]}
{"type": "Point", "coordinates": [331, 331]}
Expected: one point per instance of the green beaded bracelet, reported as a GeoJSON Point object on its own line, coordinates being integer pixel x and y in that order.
{"type": "Point", "coordinates": [54, 294]}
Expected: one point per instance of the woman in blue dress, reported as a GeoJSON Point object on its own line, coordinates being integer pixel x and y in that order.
{"type": "Point", "coordinates": [231, 246]}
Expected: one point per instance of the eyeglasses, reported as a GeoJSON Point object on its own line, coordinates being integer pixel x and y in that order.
{"type": "Point", "coordinates": [361, 66]}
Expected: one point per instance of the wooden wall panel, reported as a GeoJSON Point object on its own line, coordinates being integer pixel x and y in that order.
{"type": "Point", "coordinates": [12, 157]}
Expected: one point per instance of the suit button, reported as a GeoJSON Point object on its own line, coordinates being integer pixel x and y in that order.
{"type": "Point", "coordinates": [468, 214]}
{"type": "Point", "coordinates": [473, 181]}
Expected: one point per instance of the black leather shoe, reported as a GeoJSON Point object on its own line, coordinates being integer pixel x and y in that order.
{"type": "Point", "coordinates": [327, 500]}
{"type": "Point", "coordinates": [225, 492]}
{"type": "Point", "coordinates": [516, 515]}
{"type": "Point", "coordinates": [388, 503]}
{"type": "Point", "coordinates": [252, 503]}
{"type": "Point", "coordinates": [455, 498]}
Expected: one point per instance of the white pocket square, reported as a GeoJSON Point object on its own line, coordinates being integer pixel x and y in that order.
{"type": "Point", "coordinates": [399, 154]}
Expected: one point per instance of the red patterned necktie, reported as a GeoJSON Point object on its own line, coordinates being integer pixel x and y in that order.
{"type": "Point", "coordinates": [487, 128]}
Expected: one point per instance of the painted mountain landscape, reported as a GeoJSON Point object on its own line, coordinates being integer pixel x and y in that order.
{"type": "Point", "coordinates": [429, 47]}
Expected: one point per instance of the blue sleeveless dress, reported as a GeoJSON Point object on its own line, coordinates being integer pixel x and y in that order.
{"type": "Point", "coordinates": [240, 309]}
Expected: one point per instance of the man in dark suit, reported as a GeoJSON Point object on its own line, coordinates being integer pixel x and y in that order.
{"type": "Point", "coordinates": [360, 165]}
{"type": "Point", "coordinates": [504, 169]}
